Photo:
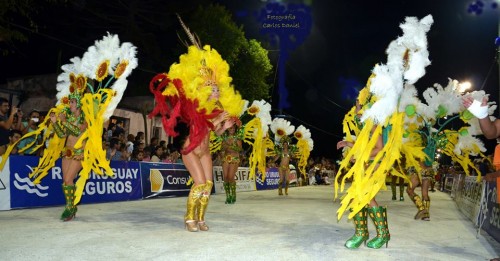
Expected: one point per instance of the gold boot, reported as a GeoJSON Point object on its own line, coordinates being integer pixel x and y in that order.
{"type": "Point", "coordinates": [427, 205]}
{"type": "Point", "coordinates": [420, 206]}
{"type": "Point", "coordinates": [192, 202]}
{"type": "Point", "coordinates": [205, 196]}
{"type": "Point", "coordinates": [286, 188]}
{"type": "Point", "coordinates": [280, 190]}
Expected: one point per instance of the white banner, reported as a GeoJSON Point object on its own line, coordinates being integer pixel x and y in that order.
{"type": "Point", "coordinates": [243, 183]}
{"type": "Point", "coordinates": [468, 196]}
{"type": "Point", "coordinates": [5, 187]}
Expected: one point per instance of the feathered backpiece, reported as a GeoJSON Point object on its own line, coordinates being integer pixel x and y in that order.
{"type": "Point", "coordinates": [432, 121]}
{"type": "Point", "coordinates": [186, 92]}
{"type": "Point", "coordinates": [255, 122]}
{"type": "Point", "coordinates": [377, 115]}
{"type": "Point", "coordinates": [283, 130]}
{"type": "Point", "coordinates": [97, 82]}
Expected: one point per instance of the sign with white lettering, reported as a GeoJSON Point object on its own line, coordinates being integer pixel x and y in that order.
{"type": "Point", "coordinates": [124, 185]}
{"type": "Point", "coordinates": [164, 179]}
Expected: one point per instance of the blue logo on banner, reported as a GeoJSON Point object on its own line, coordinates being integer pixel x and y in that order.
{"type": "Point", "coordinates": [492, 218]}
{"type": "Point", "coordinates": [125, 185]}
{"type": "Point", "coordinates": [271, 182]}
{"type": "Point", "coordinates": [164, 179]}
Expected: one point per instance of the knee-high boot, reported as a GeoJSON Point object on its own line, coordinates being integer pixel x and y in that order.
{"type": "Point", "coordinates": [228, 192]}
{"type": "Point", "coordinates": [420, 206]}
{"type": "Point", "coordinates": [286, 187]}
{"type": "Point", "coordinates": [192, 202]}
{"type": "Point", "coordinates": [401, 192]}
{"type": "Point", "coordinates": [361, 232]}
{"type": "Point", "coordinates": [233, 192]}
{"type": "Point", "coordinates": [379, 217]}
{"type": "Point", "coordinates": [280, 186]}
{"type": "Point", "coordinates": [70, 210]}
{"type": "Point", "coordinates": [427, 206]}
{"type": "Point", "coordinates": [203, 204]}
{"type": "Point", "coordinates": [393, 189]}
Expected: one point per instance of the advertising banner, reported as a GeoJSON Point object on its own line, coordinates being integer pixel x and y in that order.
{"type": "Point", "coordinates": [125, 185]}
{"type": "Point", "coordinates": [242, 178]}
{"type": "Point", "coordinates": [164, 179]}
{"type": "Point", "coordinates": [490, 213]}
{"type": "Point", "coordinates": [5, 187]}
{"type": "Point", "coordinates": [468, 197]}
{"type": "Point", "coordinates": [271, 181]}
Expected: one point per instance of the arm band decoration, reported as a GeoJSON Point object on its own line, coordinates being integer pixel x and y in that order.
{"type": "Point", "coordinates": [72, 129]}
{"type": "Point", "coordinates": [58, 130]}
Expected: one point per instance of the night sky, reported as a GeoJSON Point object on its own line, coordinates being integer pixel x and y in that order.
{"type": "Point", "coordinates": [347, 39]}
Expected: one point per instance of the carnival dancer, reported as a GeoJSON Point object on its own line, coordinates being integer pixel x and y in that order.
{"type": "Point", "coordinates": [202, 99]}
{"type": "Point", "coordinates": [431, 127]}
{"type": "Point", "coordinates": [251, 128]}
{"type": "Point", "coordinates": [231, 150]}
{"type": "Point", "coordinates": [374, 132]}
{"type": "Point", "coordinates": [89, 90]}
{"type": "Point", "coordinates": [285, 150]}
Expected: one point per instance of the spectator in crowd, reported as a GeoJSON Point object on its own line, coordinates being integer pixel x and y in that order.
{"type": "Point", "coordinates": [137, 155]}
{"type": "Point", "coordinates": [113, 152]}
{"type": "Point", "coordinates": [109, 132]}
{"type": "Point", "coordinates": [29, 126]}
{"type": "Point", "coordinates": [14, 136]}
{"type": "Point", "coordinates": [152, 145]}
{"type": "Point", "coordinates": [119, 131]}
{"type": "Point", "coordinates": [7, 120]}
{"type": "Point", "coordinates": [157, 155]}
{"type": "Point", "coordinates": [130, 143]}
{"type": "Point", "coordinates": [139, 138]}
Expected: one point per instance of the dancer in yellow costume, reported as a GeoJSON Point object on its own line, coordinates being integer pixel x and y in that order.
{"type": "Point", "coordinates": [374, 132]}
{"type": "Point", "coordinates": [89, 90]}
{"type": "Point", "coordinates": [429, 124]}
{"type": "Point", "coordinates": [201, 98]}
{"type": "Point", "coordinates": [285, 150]}
{"type": "Point", "coordinates": [252, 127]}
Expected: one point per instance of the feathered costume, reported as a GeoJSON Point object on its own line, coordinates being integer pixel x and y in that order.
{"type": "Point", "coordinates": [282, 129]}
{"type": "Point", "coordinates": [97, 81]}
{"type": "Point", "coordinates": [253, 131]}
{"type": "Point", "coordinates": [407, 59]}
{"type": "Point", "coordinates": [431, 123]}
{"type": "Point", "coordinates": [185, 95]}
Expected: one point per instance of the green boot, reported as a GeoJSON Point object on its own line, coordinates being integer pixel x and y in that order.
{"type": "Point", "coordinates": [361, 232]}
{"type": "Point", "coordinates": [379, 217]}
{"type": "Point", "coordinates": [401, 192]}
{"type": "Point", "coordinates": [393, 189]}
{"type": "Point", "coordinates": [70, 210]}
{"type": "Point", "coordinates": [232, 186]}
{"type": "Point", "coordinates": [228, 192]}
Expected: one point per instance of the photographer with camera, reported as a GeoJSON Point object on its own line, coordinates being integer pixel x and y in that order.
{"type": "Point", "coordinates": [7, 122]}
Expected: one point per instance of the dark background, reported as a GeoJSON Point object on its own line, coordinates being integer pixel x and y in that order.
{"type": "Point", "coordinates": [346, 40]}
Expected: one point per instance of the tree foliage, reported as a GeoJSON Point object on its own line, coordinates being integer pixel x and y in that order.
{"type": "Point", "coordinates": [17, 18]}
{"type": "Point", "coordinates": [248, 60]}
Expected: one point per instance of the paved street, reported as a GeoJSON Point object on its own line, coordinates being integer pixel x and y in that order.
{"type": "Point", "coordinates": [260, 226]}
